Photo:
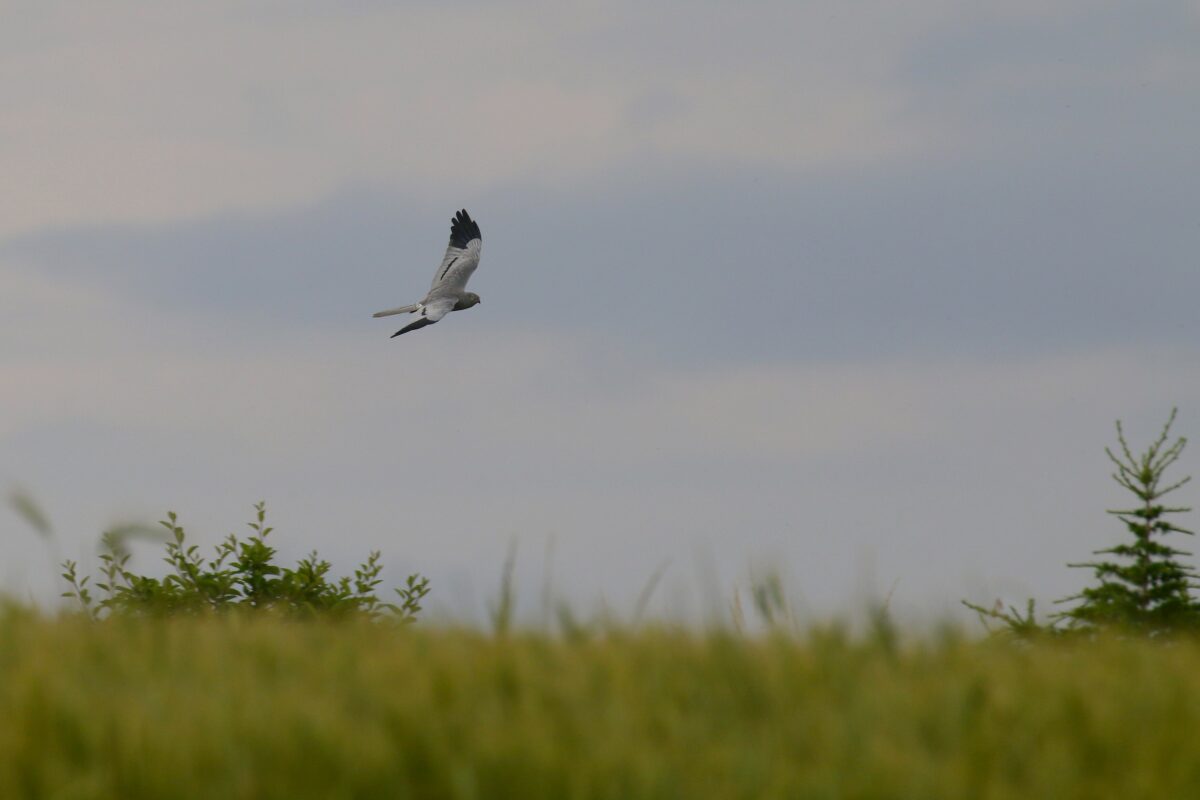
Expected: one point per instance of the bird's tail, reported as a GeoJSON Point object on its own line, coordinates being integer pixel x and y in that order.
{"type": "Point", "coordinates": [401, 310]}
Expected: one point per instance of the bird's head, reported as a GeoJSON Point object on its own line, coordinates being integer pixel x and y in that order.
{"type": "Point", "coordinates": [469, 299]}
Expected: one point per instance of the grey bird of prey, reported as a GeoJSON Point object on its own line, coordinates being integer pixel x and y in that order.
{"type": "Point", "coordinates": [449, 290]}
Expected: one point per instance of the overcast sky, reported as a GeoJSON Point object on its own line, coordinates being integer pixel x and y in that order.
{"type": "Point", "coordinates": [851, 291]}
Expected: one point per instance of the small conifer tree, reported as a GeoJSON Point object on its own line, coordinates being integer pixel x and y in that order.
{"type": "Point", "coordinates": [1144, 587]}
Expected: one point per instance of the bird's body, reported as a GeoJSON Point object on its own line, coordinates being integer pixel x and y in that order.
{"type": "Point", "coordinates": [449, 289]}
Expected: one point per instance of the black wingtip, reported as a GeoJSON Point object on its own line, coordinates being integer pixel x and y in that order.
{"type": "Point", "coordinates": [412, 326]}
{"type": "Point", "coordinates": [463, 229]}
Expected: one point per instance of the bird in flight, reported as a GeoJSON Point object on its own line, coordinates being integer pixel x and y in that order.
{"type": "Point", "coordinates": [449, 290]}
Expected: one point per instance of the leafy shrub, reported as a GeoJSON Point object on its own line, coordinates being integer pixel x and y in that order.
{"type": "Point", "coordinates": [242, 575]}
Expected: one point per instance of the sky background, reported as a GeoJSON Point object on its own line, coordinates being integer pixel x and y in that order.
{"type": "Point", "coordinates": [849, 291]}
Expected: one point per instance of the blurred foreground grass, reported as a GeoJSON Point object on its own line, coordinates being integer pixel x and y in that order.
{"type": "Point", "coordinates": [262, 708]}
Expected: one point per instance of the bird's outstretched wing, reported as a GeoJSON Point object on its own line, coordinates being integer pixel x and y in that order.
{"type": "Point", "coordinates": [462, 255]}
{"type": "Point", "coordinates": [429, 313]}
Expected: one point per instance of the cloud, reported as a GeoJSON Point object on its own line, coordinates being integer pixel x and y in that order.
{"type": "Point", "coordinates": [124, 363]}
{"type": "Point", "coordinates": [127, 365]}
{"type": "Point", "coordinates": [178, 111]}
{"type": "Point", "coordinates": [129, 115]}
{"type": "Point", "coordinates": [977, 261]}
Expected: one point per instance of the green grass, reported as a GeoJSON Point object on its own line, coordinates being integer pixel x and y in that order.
{"type": "Point", "coordinates": [269, 708]}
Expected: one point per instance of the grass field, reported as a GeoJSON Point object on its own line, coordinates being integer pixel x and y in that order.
{"type": "Point", "coordinates": [209, 708]}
